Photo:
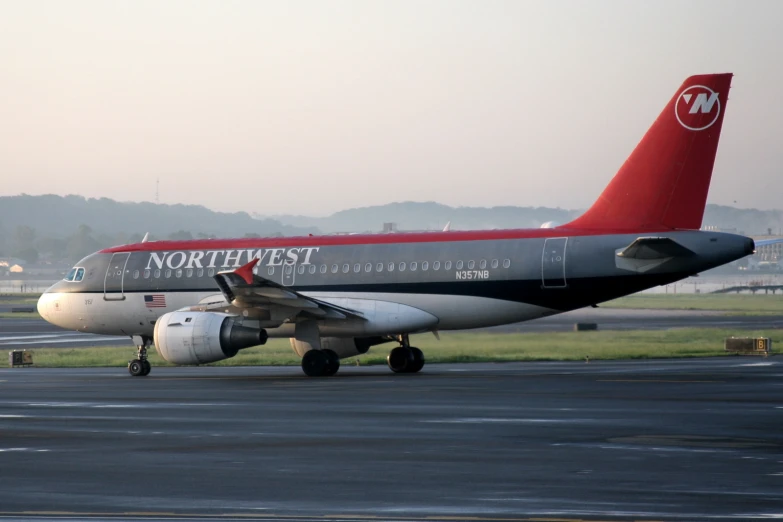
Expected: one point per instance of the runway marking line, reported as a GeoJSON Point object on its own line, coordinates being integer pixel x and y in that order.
{"type": "Point", "coordinates": [263, 516]}
{"type": "Point", "coordinates": [652, 380]}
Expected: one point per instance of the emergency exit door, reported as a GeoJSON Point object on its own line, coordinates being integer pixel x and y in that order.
{"type": "Point", "coordinates": [553, 263]}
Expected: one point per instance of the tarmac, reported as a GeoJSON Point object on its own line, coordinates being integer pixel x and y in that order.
{"type": "Point", "coordinates": [694, 439]}
{"type": "Point", "coordinates": [28, 333]}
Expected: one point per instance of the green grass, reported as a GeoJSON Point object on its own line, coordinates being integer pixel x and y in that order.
{"type": "Point", "coordinates": [745, 303]}
{"type": "Point", "coordinates": [458, 347]}
{"type": "Point", "coordinates": [19, 298]}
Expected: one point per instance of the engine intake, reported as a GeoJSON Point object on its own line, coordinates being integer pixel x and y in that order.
{"type": "Point", "coordinates": [203, 337]}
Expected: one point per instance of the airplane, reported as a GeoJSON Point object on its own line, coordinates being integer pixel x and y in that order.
{"type": "Point", "coordinates": [336, 296]}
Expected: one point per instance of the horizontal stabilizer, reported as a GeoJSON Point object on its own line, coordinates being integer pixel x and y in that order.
{"type": "Point", "coordinates": [655, 248]}
{"type": "Point", "coordinates": [646, 253]}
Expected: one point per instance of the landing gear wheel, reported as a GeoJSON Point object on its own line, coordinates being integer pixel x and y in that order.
{"type": "Point", "coordinates": [140, 366]}
{"type": "Point", "coordinates": [315, 363]}
{"type": "Point", "coordinates": [418, 360]}
{"type": "Point", "coordinates": [400, 359]}
{"type": "Point", "coordinates": [333, 362]}
{"type": "Point", "coordinates": [136, 368]}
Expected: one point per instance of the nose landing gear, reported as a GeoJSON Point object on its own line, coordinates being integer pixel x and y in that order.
{"type": "Point", "coordinates": [140, 366]}
{"type": "Point", "coordinates": [405, 358]}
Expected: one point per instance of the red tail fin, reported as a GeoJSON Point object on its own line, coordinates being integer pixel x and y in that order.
{"type": "Point", "coordinates": [664, 182]}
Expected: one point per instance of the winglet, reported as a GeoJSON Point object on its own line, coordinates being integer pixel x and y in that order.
{"type": "Point", "coordinates": [246, 271]}
{"type": "Point", "coordinates": [146, 237]}
{"type": "Point", "coordinates": [447, 228]}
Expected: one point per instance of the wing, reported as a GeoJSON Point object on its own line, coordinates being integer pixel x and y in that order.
{"type": "Point", "coordinates": [247, 293]}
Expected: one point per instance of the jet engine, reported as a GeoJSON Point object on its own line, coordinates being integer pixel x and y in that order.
{"type": "Point", "coordinates": [344, 347]}
{"type": "Point", "coordinates": [203, 337]}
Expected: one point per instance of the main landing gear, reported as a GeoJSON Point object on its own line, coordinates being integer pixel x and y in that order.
{"type": "Point", "coordinates": [140, 366]}
{"type": "Point", "coordinates": [405, 358]}
{"type": "Point", "coordinates": [320, 363]}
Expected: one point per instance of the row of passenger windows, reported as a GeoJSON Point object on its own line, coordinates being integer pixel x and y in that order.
{"type": "Point", "coordinates": [346, 268]}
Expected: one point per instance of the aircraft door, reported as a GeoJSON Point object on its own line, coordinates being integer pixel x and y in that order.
{"type": "Point", "coordinates": [289, 274]}
{"type": "Point", "coordinates": [553, 263]}
{"type": "Point", "coordinates": [113, 282]}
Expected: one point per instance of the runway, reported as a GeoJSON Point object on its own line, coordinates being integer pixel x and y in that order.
{"type": "Point", "coordinates": [655, 440]}
{"type": "Point", "coordinates": [37, 333]}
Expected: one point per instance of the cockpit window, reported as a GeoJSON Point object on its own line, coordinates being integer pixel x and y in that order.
{"type": "Point", "coordinates": [75, 275]}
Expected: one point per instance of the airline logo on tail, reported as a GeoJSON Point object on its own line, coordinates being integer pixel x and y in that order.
{"type": "Point", "coordinates": [697, 108]}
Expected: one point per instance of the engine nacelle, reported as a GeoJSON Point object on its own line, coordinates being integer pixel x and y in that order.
{"type": "Point", "coordinates": [343, 346]}
{"type": "Point", "coordinates": [203, 337]}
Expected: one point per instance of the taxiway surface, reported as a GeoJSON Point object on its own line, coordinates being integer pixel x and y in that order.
{"type": "Point", "coordinates": [654, 440]}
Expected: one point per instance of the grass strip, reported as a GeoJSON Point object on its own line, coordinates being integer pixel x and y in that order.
{"type": "Point", "coordinates": [746, 303]}
{"type": "Point", "coordinates": [457, 347]}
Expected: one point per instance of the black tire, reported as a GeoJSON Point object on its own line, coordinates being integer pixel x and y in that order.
{"type": "Point", "coordinates": [418, 360]}
{"type": "Point", "coordinates": [333, 362]}
{"type": "Point", "coordinates": [147, 367]}
{"type": "Point", "coordinates": [136, 368]}
{"type": "Point", "coordinates": [315, 363]}
{"type": "Point", "coordinates": [400, 359]}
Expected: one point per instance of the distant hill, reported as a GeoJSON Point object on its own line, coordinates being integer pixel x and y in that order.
{"type": "Point", "coordinates": [59, 216]}
{"type": "Point", "coordinates": [431, 215]}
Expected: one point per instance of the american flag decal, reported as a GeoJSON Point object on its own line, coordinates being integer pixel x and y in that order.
{"type": "Point", "coordinates": [155, 301]}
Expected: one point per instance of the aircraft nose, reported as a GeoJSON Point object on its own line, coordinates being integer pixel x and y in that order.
{"type": "Point", "coordinates": [44, 306]}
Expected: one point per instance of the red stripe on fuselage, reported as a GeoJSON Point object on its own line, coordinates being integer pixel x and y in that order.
{"type": "Point", "coordinates": [368, 239]}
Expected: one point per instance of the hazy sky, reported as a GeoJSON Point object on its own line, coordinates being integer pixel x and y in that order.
{"type": "Point", "coordinates": [312, 107]}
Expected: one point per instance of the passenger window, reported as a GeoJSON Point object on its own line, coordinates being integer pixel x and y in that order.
{"type": "Point", "coordinates": [146, 274]}
{"type": "Point", "coordinates": [391, 267]}
{"type": "Point", "coordinates": [200, 272]}
{"type": "Point", "coordinates": [135, 274]}
{"type": "Point", "coordinates": [301, 269]}
{"type": "Point", "coordinates": [288, 270]}
{"type": "Point", "coordinates": [494, 263]}
{"type": "Point", "coordinates": [168, 273]}
{"type": "Point", "coordinates": [323, 269]}
{"type": "Point", "coordinates": [346, 268]}
{"type": "Point", "coordinates": [357, 267]}
{"type": "Point", "coordinates": [379, 267]}
{"type": "Point", "coordinates": [471, 264]}
{"type": "Point", "coordinates": [79, 275]}
{"type": "Point", "coordinates": [311, 269]}
{"type": "Point", "coordinates": [368, 267]}
{"type": "Point", "coordinates": [506, 263]}
{"type": "Point", "coordinates": [271, 270]}
{"type": "Point", "coordinates": [157, 274]}
{"type": "Point", "coordinates": [189, 272]}
{"type": "Point", "coordinates": [483, 264]}
{"type": "Point", "coordinates": [334, 269]}
{"type": "Point", "coordinates": [211, 272]}
{"type": "Point", "coordinates": [414, 265]}
{"type": "Point", "coordinates": [459, 265]}
{"type": "Point", "coordinates": [179, 273]}
{"type": "Point", "coordinates": [402, 266]}
{"type": "Point", "coordinates": [436, 265]}
{"type": "Point", "coordinates": [425, 265]}
{"type": "Point", "coordinates": [447, 265]}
